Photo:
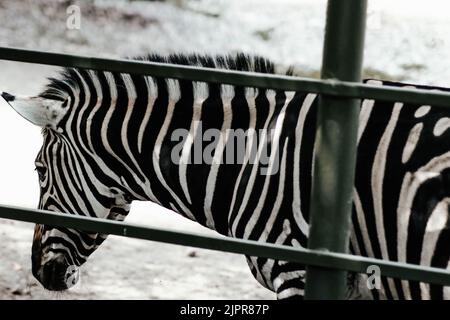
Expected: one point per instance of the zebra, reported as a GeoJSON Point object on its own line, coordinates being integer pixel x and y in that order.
{"type": "Point", "coordinates": [109, 140]}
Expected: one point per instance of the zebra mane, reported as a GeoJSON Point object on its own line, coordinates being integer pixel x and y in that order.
{"type": "Point", "coordinates": [57, 86]}
{"type": "Point", "coordinates": [237, 62]}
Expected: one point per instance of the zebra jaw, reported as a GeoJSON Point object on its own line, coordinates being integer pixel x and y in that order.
{"type": "Point", "coordinates": [39, 111]}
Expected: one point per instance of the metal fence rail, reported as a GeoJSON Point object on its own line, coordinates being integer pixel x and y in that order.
{"type": "Point", "coordinates": [253, 248]}
{"type": "Point", "coordinates": [332, 87]}
{"type": "Point", "coordinates": [337, 106]}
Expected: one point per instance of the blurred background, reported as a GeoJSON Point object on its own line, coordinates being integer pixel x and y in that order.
{"type": "Point", "coordinates": [407, 40]}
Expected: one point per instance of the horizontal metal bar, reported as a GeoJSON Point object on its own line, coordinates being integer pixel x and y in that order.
{"type": "Point", "coordinates": [258, 80]}
{"type": "Point", "coordinates": [252, 248]}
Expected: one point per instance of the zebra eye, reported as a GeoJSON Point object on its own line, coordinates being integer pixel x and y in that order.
{"type": "Point", "coordinates": [41, 172]}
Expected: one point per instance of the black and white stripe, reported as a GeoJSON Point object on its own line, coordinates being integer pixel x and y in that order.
{"type": "Point", "coordinates": [114, 141]}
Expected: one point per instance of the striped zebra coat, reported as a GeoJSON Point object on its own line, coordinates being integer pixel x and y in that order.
{"type": "Point", "coordinates": [112, 138]}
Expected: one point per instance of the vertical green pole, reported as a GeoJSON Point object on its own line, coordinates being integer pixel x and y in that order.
{"type": "Point", "coordinates": [335, 149]}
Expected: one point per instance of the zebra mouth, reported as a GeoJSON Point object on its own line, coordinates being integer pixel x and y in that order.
{"type": "Point", "coordinates": [56, 275]}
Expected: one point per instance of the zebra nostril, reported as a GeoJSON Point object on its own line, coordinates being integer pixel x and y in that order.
{"type": "Point", "coordinates": [8, 97]}
{"type": "Point", "coordinates": [72, 276]}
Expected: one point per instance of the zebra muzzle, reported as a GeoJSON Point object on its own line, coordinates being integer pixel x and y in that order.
{"type": "Point", "coordinates": [57, 275]}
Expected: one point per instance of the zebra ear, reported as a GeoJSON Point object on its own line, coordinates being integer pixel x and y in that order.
{"type": "Point", "coordinates": [42, 112]}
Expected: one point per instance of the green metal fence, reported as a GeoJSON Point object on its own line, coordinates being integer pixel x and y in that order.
{"type": "Point", "coordinates": [339, 92]}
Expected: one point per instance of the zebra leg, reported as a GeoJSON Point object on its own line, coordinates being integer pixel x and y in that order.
{"type": "Point", "coordinates": [357, 287]}
{"type": "Point", "coordinates": [289, 280]}
{"type": "Point", "coordinates": [286, 279]}
{"type": "Point", "coordinates": [290, 284]}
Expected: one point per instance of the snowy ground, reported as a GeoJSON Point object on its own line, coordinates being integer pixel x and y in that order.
{"type": "Point", "coordinates": [406, 39]}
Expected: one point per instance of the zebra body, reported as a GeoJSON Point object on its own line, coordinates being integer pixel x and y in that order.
{"type": "Point", "coordinates": [109, 139]}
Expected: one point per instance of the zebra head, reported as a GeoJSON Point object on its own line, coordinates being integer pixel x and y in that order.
{"type": "Point", "coordinates": [71, 180]}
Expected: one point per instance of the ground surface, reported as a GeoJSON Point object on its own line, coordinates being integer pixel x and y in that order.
{"type": "Point", "coordinates": [406, 41]}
